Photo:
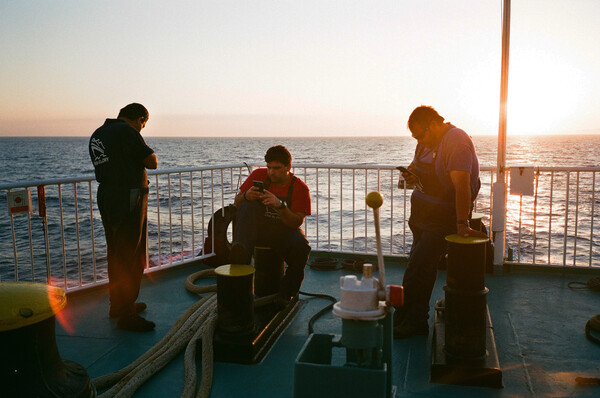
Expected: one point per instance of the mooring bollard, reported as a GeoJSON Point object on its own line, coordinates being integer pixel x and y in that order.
{"type": "Point", "coordinates": [269, 271]}
{"type": "Point", "coordinates": [30, 364]}
{"type": "Point", "coordinates": [464, 348]}
{"type": "Point", "coordinates": [235, 297]}
{"type": "Point", "coordinates": [465, 297]}
{"type": "Point", "coordinates": [476, 221]}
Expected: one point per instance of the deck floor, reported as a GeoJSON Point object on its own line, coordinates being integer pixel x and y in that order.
{"type": "Point", "coordinates": [537, 319]}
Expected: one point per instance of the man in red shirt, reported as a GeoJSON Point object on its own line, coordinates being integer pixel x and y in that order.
{"type": "Point", "coordinates": [271, 215]}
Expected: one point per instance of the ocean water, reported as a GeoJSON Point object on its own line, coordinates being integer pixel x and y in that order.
{"type": "Point", "coordinates": [29, 159]}
{"type": "Point", "coordinates": [57, 157]}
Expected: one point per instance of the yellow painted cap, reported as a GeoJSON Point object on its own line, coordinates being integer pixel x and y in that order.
{"type": "Point", "coordinates": [477, 216]}
{"type": "Point", "coordinates": [469, 240]}
{"type": "Point", "coordinates": [234, 270]}
{"type": "Point", "coordinates": [26, 303]}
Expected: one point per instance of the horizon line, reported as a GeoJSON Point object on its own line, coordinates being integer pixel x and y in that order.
{"type": "Point", "coordinates": [595, 132]}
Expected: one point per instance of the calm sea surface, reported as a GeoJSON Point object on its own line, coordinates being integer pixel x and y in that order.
{"type": "Point", "coordinates": [55, 157]}
{"type": "Point", "coordinates": [30, 159]}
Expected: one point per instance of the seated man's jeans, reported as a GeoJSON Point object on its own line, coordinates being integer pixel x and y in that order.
{"type": "Point", "coordinates": [252, 228]}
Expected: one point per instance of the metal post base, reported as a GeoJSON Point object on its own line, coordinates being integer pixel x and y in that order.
{"type": "Point", "coordinates": [251, 346]}
{"type": "Point", "coordinates": [447, 369]}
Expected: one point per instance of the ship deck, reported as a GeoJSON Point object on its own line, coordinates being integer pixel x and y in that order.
{"type": "Point", "coordinates": [538, 322]}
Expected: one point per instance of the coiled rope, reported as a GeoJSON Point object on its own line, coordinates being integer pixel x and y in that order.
{"type": "Point", "coordinates": [197, 323]}
{"type": "Point", "coordinates": [126, 381]}
{"type": "Point", "coordinates": [331, 263]}
{"type": "Point", "coordinates": [324, 264]}
{"type": "Point", "coordinates": [592, 324]}
{"type": "Point", "coordinates": [355, 264]}
{"type": "Point", "coordinates": [591, 284]}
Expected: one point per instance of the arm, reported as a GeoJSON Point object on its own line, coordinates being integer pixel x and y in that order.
{"type": "Point", "coordinates": [251, 194]}
{"type": "Point", "coordinates": [462, 187]}
{"type": "Point", "coordinates": [288, 217]}
{"type": "Point", "coordinates": [409, 178]}
{"type": "Point", "coordinates": [151, 161]}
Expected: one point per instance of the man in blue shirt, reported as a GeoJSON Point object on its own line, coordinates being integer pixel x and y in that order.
{"type": "Point", "coordinates": [446, 165]}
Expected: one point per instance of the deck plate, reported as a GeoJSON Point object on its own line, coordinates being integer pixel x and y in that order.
{"type": "Point", "coordinates": [250, 347]}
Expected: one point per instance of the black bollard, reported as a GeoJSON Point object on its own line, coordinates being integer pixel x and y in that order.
{"type": "Point", "coordinates": [30, 364]}
{"type": "Point", "coordinates": [477, 221]}
{"type": "Point", "coordinates": [464, 351]}
{"type": "Point", "coordinates": [269, 271]}
{"type": "Point", "coordinates": [465, 298]}
{"type": "Point", "coordinates": [235, 297]}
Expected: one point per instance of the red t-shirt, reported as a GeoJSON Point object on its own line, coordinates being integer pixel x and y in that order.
{"type": "Point", "coordinates": [300, 193]}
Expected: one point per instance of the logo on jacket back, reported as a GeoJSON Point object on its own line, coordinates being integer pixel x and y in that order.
{"type": "Point", "coordinates": [97, 148]}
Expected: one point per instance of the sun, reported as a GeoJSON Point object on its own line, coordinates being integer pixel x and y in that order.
{"type": "Point", "coordinates": [543, 92]}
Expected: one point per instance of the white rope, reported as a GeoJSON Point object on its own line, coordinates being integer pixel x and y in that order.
{"type": "Point", "coordinates": [205, 334]}
{"type": "Point", "coordinates": [110, 379]}
{"type": "Point", "coordinates": [197, 323]}
{"type": "Point", "coordinates": [130, 378]}
{"type": "Point", "coordinates": [128, 385]}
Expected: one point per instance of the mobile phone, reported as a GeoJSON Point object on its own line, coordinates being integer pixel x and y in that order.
{"type": "Point", "coordinates": [418, 183]}
{"type": "Point", "coordinates": [260, 185]}
{"type": "Point", "coordinates": [405, 170]}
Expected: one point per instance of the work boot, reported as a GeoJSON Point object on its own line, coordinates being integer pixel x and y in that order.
{"type": "Point", "coordinates": [135, 323]}
{"type": "Point", "coordinates": [137, 308]}
{"type": "Point", "coordinates": [238, 254]}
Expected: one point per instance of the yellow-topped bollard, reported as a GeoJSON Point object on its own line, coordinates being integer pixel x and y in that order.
{"type": "Point", "coordinates": [466, 262]}
{"type": "Point", "coordinates": [464, 350]}
{"type": "Point", "coordinates": [235, 297]}
{"type": "Point", "coordinates": [30, 365]}
{"type": "Point", "coordinates": [466, 296]}
{"type": "Point", "coordinates": [26, 303]}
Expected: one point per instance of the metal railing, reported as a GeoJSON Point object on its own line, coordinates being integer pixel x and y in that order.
{"type": "Point", "coordinates": [66, 246]}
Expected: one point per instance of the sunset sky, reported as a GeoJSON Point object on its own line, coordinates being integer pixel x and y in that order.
{"type": "Point", "coordinates": [296, 68]}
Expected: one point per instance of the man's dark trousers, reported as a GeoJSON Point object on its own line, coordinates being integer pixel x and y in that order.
{"type": "Point", "coordinates": [123, 212]}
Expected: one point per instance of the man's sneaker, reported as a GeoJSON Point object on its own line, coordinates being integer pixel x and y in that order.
{"type": "Point", "coordinates": [238, 254]}
{"type": "Point", "coordinates": [135, 323]}
{"type": "Point", "coordinates": [408, 329]}
{"type": "Point", "coordinates": [137, 308]}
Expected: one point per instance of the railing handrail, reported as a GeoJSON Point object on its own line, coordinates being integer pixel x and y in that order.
{"type": "Point", "coordinates": [33, 183]}
{"type": "Point", "coordinates": [559, 220]}
{"type": "Point", "coordinates": [91, 177]}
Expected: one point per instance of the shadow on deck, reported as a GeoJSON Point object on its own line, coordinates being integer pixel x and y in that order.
{"type": "Point", "coordinates": [538, 322]}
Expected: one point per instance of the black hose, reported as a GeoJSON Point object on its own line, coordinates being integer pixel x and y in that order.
{"type": "Point", "coordinates": [320, 313]}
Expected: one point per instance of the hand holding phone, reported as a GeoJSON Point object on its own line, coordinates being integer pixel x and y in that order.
{"type": "Point", "coordinates": [260, 185]}
{"type": "Point", "coordinates": [415, 178]}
